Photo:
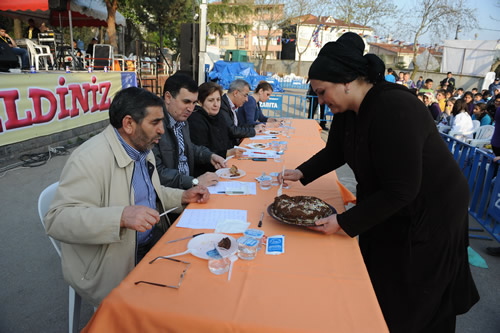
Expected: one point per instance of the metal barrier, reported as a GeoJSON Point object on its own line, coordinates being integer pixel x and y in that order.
{"type": "Point", "coordinates": [293, 84]}
{"type": "Point", "coordinates": [481, 173]}
{"type": "Point", "coordinates": [282, 105]}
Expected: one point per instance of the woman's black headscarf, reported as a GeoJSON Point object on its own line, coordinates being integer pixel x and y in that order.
{"type": "Point", "coordinates": [342, 61]}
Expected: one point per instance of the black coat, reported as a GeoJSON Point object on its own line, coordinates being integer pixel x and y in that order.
{"type": "Point", "coordinates": [237, 132]}
{"type": "Point", "coordinates": [211, 132]}
{"type": "Point", "coordinates": [411, 215]}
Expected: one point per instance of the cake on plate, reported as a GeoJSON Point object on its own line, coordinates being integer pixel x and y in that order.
{"type": "Point", "coordinates": [302, 210]}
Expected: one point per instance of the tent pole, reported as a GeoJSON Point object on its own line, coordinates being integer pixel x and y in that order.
{"type": "Point", "coordinates": [71, 39]}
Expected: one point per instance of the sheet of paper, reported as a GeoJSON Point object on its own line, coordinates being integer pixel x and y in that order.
{"type": "Point", "coordinates": [208, 218]}
{"type": "Point", "coordinates": [233, 186]}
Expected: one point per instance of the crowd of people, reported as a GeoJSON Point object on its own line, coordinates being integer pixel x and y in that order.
{"type": "Point", "coordinates": [452, 108]}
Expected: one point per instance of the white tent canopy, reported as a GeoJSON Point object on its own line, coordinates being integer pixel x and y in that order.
{"type": "Point", "coordinates": [470, 57]}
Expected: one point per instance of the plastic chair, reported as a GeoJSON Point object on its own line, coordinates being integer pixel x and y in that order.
{"type": "Point", "coordinates": [37, 52]}
{"type": "Point", "coordinates": [75, 300]}
{"type": "Point", "coordinates": [482, 136]}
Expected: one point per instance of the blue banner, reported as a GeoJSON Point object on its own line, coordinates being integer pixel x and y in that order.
{"type": "Point", "coordinates": [273, 103]}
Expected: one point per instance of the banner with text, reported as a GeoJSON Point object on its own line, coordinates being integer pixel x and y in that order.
{"type": "Point", "coordinates": [34, 105]}
{"type": "Point", "coordinates": [275, 103]}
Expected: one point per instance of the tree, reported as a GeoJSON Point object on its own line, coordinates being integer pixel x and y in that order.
{"type": "Point", "coordinates": [158, 14]}
{"type": "Point", "coordinates": [364, 12]}
{"type": "Point", "coordinates": [112, 6]}
{"type": "Point", "coordinates": [228, 17]}
{"type": "Point", "coordinates": [440, 17]}
{"type": "Point", "coordinates": [267, 15]}
{"type": "Point", "coordinates": [298, 12]}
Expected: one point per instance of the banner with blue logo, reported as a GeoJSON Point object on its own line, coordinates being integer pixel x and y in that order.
{"type": "Point", "coordinates": [274, 103]}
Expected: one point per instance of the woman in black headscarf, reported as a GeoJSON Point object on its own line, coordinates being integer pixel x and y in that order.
{"type": "Point", "coordinates": [414, 247]}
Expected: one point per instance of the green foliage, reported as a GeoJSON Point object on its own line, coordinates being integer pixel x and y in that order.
{"type": "Point", "coordinates": [225, 17]}
{"type": "Point", "coordinates": [160, 18]}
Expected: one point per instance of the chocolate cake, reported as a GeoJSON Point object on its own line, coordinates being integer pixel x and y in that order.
{"type": "Point", "coordinates": [225, 243]}
{"type": "Point", "coordinates": [303, 210]}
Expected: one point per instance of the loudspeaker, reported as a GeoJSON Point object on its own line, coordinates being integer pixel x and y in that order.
{"type": "Point", "coordinates": [58, 5]}
{"type": "Point", "coordinates": [8, 58]}
{"type": "Point", "coordinates": [188, 42]}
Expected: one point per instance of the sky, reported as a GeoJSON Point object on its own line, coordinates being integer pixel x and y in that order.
{"type": "Point", "coordinates": [489, 29]}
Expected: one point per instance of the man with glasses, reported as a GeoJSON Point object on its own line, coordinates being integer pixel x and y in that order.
{"type": "Point", "coordinates": [236, 96]}
{"type": "Point", "coordinates": [106, 210]}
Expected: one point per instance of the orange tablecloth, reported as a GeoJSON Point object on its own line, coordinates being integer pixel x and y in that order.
{"type": "Point", "coordinates": [320, 283]}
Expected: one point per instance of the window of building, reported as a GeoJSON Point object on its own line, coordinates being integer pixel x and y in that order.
{"type": "Point", "coordinates": [240, 42]}
{"type": "Point", "coordinates": [224, 41]}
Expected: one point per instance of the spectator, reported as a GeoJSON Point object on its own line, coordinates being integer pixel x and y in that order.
{"type": "Point", "coordinates": [401, 78]}
{"type": "Point", "coordinates": [462, 121]}
{"type": "Point", "coordinates": [441, 99]}
{"type": "Point", "coordinates": [106, 211]}
{"type": "Point", "coordinates": [235, 97]}
{"type": "Point", "coordinates": [420, 96]}
{"type": "Point", "coordinates": [448, 82]}
{"type": "Point", "coordinates": [427, 88]}
{"type": "Point", "coordinates": [31, 31]}
{"type": "Point", "coordinates": [208, 126]}
{"type": "Point", "coordinates": [481, 114]}
{"type": "Point", "coordinates": [459, 93]}
{"type": "Point", "coordinates": [478, 98]}
{"type": "Point", "coordinates": [486, 96]}
{"type": "Point", "coordinates": [90, 47]}
{"type": "Point", "coordinates": [474, 91]}
{"type": "Point", "coordinates": [494, 85]}
{"type": "Point", "coordinates": [448, 95]}
{"type": "Point", "coordinates": [5, 38]}
{"type": "Point", "coordinates": [420, 82]}
{"type": "Point", "coordinates": [432, 105]}
{"type": "Point", "coordinates": [313, 106]}
{"type": "Point", "coordinates": [389, 77]}
{"type": "Point", "coordinates": [407, 81]}
{"type": "Point", "coordinates": [250, 112]}
{"type": "Point", "coordinates": [175, 154]}
{"type": "Point", "coordinates": [469, 99]}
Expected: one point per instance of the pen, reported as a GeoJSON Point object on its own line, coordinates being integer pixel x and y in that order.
{"type": "Point", "coordinates": [232, 192]}
{"type": "Point", "coordinates": [258, 152]}
{"type": "Point", "coordinates": [261, 218]}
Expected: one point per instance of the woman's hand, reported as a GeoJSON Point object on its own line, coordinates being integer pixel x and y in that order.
{"type": "Point", "coordinates": [289, 174]}
{"type": "Point", "coordinates": [327, 225]}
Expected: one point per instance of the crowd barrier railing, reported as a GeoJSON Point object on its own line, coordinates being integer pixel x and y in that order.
{"type": "Point", "coordinates": [293, 84]}
{"type": "Point", "coordinates": [282, 105]}
{"type": "Point", "coordinates": [480, 170]}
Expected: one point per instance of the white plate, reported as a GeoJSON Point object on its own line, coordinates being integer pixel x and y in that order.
{"type": "Point", "coordinates": [224, 173]}
{"type": "Point", "coordinates": [258, 145]}
{"type": "Point", "coordinates": [200, 245]}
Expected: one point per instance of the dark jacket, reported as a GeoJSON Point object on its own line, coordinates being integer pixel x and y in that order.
{"type": "Point", "coordinates": [237, 132]}
{"type": "Point", "coordinates": [211, 132]}
{"type": "Point", "coordinates": [414, 247]}
{"type": "Point", "coordinates": [167, 157]}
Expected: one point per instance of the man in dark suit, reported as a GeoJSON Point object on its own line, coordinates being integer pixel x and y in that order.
{"type": "Point", "coordinates": [448, 83]}
{"type": "Point", "coordinates": [235, 97]}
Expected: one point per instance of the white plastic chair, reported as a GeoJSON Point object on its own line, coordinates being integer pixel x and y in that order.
{"type": "Point", "coordinates": [39, 51]}
{"type": "Point", "coordinates": [75, 300]}
{"type": "Point", "coordinates": [482, 136]}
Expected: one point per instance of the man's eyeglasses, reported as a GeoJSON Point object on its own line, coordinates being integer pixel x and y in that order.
{"type": "Point", "coordinates": [166, 285]}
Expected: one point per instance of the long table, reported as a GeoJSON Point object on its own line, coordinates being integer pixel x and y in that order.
{"type": "Point", "coordinates": [320, 283]}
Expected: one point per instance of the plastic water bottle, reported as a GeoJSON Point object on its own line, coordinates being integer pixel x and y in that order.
{"type": "Point", "coordinates": [90, 69]}
{"type": "Point", "coordinates": [33, 69]}
{"type": "Point", "coordinates": [67, 69]}
{"type": "Point", "coordinates": [105, 69]}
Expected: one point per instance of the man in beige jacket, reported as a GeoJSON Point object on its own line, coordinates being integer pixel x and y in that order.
{"type": "Point", "coordinates": [107, 206]}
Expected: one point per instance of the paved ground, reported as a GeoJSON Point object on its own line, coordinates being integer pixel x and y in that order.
{"type": "Point", "coordinates": [35, 297]}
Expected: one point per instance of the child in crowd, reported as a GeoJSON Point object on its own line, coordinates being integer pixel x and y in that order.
{"type": "Point", "coordinates": [478, 98]}
{"type": "Point", "coordinates": [430, 102]}
{"type": "Point", "coordinates": [481, 114]}
{"type": "Point", "coordinates": [469, 99]}
{"type": "Point", "coordinates": [459, 93]}
{"type": "Point", "coordinates": [462, 121]}
{"type": "Point", "coordinates": [441, 99]}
